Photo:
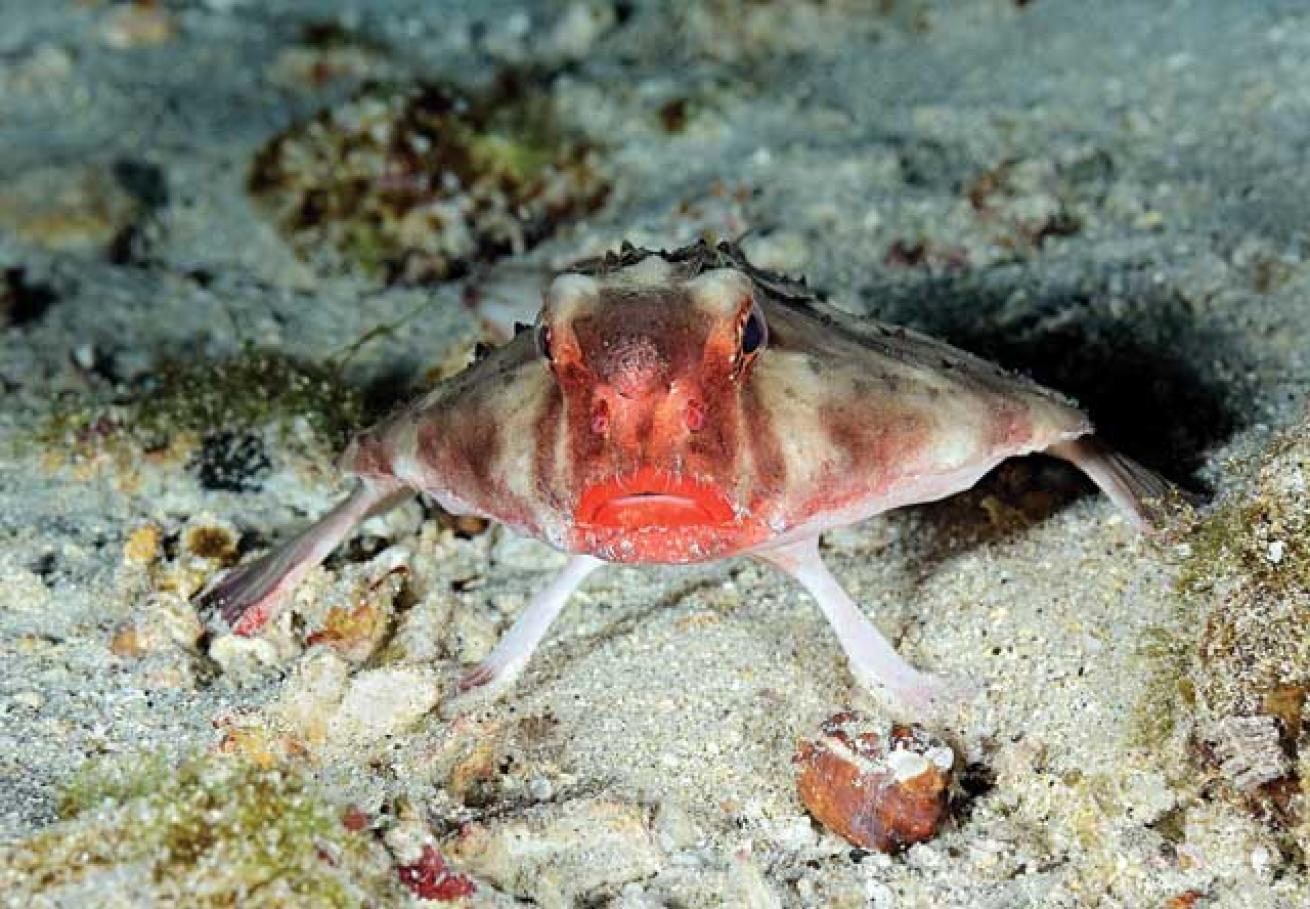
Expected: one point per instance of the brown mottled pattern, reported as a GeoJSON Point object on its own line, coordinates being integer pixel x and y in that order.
{"type": "Point", "coordinates": [432, 437]}
{"type": "Point", "coordinates": [477, 442]}
{"type": "Point", "coordinates": [876, 445]}
{"type": "Point", "coordinates": [464, 454]}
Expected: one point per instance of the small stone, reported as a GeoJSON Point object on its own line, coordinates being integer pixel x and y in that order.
{"type": "Point", "coordinates": [29, 698]}
{"type": "Point", "coordinates": [1261, 860]}
{"type": "Point", "coordinates": [541, 789]}
{"type": "Point", "coordinates": [465, 526]}
{"type": "Point", "coordinates": [878, 786]}
{"type": "Point", "coordinates": [166, 622]}
{"type": "Point", "coordinates": [84, 357]}
{"type": "Point", "coordinates": [382, 702]}
{"type": "Point", "coordinates": [137, 25]}
{"type": "Point", "coordinates": [242, 658]}
{"type": "Point", "coordinates": [359, 613]}
{"type": "Point", "coordinates": [67, 209]}
{"type": "Point", "coordinates": [1249, 750]}
{"type": "Point", "coordinates": [142, 546]}
{"type": "Point", "coordinates": [176, 620]}
{"type": "Point", "coordinates": [126, 643]}
{"type": "Point", "coordinates": [313, 694]}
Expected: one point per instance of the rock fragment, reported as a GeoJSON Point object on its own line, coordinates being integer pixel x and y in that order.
{"type": "Point", "coordinates": [381, 702]}
{"type": "Point", "coordinates": [81, 209]}
{"type": "Point", "coordinates": [876, 785]}
{"type": "Point", "coordinates": [1249, 750]}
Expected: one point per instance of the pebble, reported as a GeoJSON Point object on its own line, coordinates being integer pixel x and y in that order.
{"type": "Point", "coordinates": [243, 658]}
{"type": "Point", "coordinates": [313, 693]}
{"type": "Point", "coordinates": [879, 786]}
{"type": "Point", "coordinates": [137, 25]}
{"type": "Point", "coordinates": [382, 702]}
{"type": "Point", "coordinates": [1249, 750]}
{"type": "Point", "coordinates": [541, 789]}
{"type": "Point", "coordinates": [30, 698]}
{"type": "Point", "coordinates": [80, 209]}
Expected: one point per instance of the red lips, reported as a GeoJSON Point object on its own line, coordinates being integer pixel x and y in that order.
{"type": "Point", "coordinates": [652, 499]}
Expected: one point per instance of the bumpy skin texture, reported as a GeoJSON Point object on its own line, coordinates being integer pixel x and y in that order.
{"type": "Point", "coordinates": [687, 406]}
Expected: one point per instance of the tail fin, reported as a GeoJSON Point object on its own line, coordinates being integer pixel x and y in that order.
{"type": "Point", "coordinates": [1139, 492]}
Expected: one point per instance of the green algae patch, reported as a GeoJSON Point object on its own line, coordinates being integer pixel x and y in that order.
{"type": "Point", "coordinates": [216, 413]}
{"type": "Point", "coordinates": [1170, 691]}
{"type": "Point", "coordinates": [245, 393]}
{"type": "Point", "coordinates": [416, 184]}
{"type": "Point", "coordinates": [248, 392]}
{"type": "Point", "coordinates": [1229, 671]}
{"type": "Point", "coordinates": [1249, 569]}
{"type": "Point", "coordinates": [211, 831]}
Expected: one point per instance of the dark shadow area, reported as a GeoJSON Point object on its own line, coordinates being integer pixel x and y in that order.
{"type": "Point", "coordinates": [23, 300]}
{"type": "Point", "coordinates": [388, 392]}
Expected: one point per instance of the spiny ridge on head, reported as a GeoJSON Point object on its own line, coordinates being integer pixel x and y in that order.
{"type": "Point", "coordinates": [686, 262]}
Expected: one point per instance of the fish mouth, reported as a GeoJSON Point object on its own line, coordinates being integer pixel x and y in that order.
{"type": "Point", "coordinates": [652, 498]}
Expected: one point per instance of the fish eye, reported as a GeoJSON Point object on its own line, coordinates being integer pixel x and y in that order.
{"type": "Point", "coordinates": [754, 332]}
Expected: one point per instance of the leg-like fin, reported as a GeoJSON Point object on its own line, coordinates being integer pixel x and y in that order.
{"type": "Point", "coordinates": [248, 596]}
{"type": "Point", "coordinates": [503, 665]}
{"type": "Point", "coordinates": [873, 660]}
{"type": "Point", "coordinates": [1142, 494]}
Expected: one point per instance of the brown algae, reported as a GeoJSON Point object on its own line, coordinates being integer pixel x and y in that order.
{"type": "Point", "coordinates": [415, 184]}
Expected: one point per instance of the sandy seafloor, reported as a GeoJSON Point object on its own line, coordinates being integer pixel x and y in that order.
{"type": "Point", "coordinates": [1145, 251]}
